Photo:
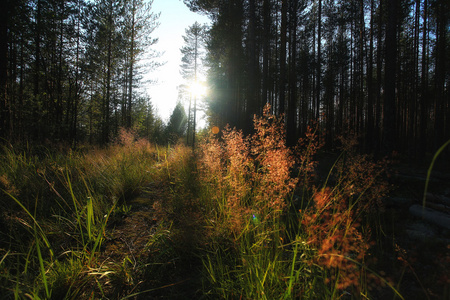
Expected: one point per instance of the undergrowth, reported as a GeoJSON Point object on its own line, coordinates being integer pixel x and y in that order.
{"type": "Point", "coordinates": [273, 235]}
{"type": "Point", "coordinates": [54, 214]}
{"type": "Point", "coordinates": [242, 217]}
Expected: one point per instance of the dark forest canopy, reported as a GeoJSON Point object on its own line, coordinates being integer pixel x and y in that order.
{"type": "Point", "coordinates": [378, 68]}
{"type": "Point", "coordinates": [70, 69]}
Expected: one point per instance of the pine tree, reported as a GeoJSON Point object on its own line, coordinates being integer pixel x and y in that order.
{"type": "Point", "coordinates": [176, 127]}
{"type": "Point", "coordinates": [140, 22]}
{"type": "Point", "coordinates": [191, 67]}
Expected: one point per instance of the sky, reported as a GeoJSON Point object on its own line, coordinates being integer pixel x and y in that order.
{"type": "Point", "coordinates": [175, 18]}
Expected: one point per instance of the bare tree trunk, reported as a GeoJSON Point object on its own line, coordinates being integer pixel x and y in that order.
{"type": "Point", "coordinates": [266, 50]}
{"type": "Point", "coordinates": [283, 56]}
{"type": "Point", "coordinates": [188, 133]}
{"type": "Point", "coordinates": [424, 89]}
{"type": "Point", "coordinates": [36, 131]}
{"type": "Point", "coordinates": [59, 99]}
{"type": "Point", "coordinates": [196, 45]}
{"type": "Point", "coordinates": [253, 75]}
{"type": "Point", "coordinates": [379, 72]}
{"type": "Point", "coordinates": [414, 120]}
{"type": "Point", "coordinates": [361, 95]}
{"type": "Point", "coordinates": [319, 60]}
{"type": "Point", "coordinates": [132, 59]}
{"type": "Point", "coordinates": [77, 75]}
{"type": "Point", "coordinates": [107, 100]}
{"type": "Point", "coordinates": [291, 128]}
{"type": "Point", "coordinates": [370, 90]}
{"type": "Point", "coordinates": [389, 115]}
{"type": "Point", "coordinates": [441, 102]}
{"type": "Point", "coordinates": [5, 113]}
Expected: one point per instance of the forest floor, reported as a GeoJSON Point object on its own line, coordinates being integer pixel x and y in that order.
{"type": "Point", "coordinates": [411, 252]}
{"type": "Point", "coordinates": [421, 246]}
{"type": "Point", "coordinates": [161, 248]}
{"type": "Point", "coordinates": [163, 238]}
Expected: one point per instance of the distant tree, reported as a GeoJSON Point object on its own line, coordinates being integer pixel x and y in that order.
{"type": "Point", "coordinates": [103, 45]}
{"type": "Point", "coordinates": [118, 35]}
{"type": "Point", "coordinates": [140, 22]}
{"type": "Point", "coordinates": [191, 66]}
{"type": "Point", "coordinates": [176, 127]}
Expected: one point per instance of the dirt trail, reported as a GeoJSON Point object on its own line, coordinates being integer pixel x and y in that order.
{"type": "Point", "coordinates": [159, 253]}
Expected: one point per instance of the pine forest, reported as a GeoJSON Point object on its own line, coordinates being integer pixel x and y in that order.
{"type": "Point", "coordinates": [307, 155]}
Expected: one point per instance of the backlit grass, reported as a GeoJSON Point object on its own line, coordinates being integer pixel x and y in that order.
{"type": "Point", "coordinates": [242, 217]}
{"type": "Point", "coordinates": [55, 209]}
{"type": "Point", "coordinates": [274, 236]}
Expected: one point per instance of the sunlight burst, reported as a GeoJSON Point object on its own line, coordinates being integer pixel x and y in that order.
{"type": "Point", "coordinates": [198, 89]}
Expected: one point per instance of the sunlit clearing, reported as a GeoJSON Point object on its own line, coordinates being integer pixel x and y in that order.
{"type": "Point", "coordinates": [198, 89]}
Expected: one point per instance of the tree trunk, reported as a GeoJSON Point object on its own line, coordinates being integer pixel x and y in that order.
{"type": "Point", "coordinates": [4, 105]}
{"type": "Point", "coordinates": [370, 90]}
{"type": "Point", "coordinates": [389, 115]}
{"type": "Point", "coordinates": [253, 74]}
{"type": "Point", "coordinates": [59, 111]}
{"type": "Point", "coordinates": [36, 131]}
{"type": "Point", "coordinates": [291, 128]}
{"type": "Point", "coordinates": [319, 60]}
{"type": "Point", "coordinates": [424, 86]}
{"type": "Point", "coordinates": [414, 120]}
{"type": "Point", "coordinates": [441, 104]}
{"type": "Point", "coordinates": [132, 59]}
{"type": "Point", "coordinates": [195, 96]}
{"type": "Point", "coordinates": [361, 94]}
{"type": "Point", "coordinates": [379, 72]}
{"type": "Point", "coordinates": [107, 100]}
{"type": "Point", "coordinates": [77, 76]}
{"type": "Point", "coordinates": [266, 51]}
{"type": "Point", "coordinates": [283, 56]}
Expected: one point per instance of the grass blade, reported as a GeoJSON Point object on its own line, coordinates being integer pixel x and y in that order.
{"type": "Point", "coordinates": [430, 169]}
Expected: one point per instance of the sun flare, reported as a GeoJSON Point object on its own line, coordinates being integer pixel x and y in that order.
{"type": "Point", "coordinates": [198, 89]}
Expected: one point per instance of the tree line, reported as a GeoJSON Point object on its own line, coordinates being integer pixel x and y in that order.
{"type": "Point", "coordinates": [71, 69]}
{"type": "Point", "coordinates": [377, 68]}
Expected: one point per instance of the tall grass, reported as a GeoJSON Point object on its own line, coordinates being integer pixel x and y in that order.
{"type": "Point", "coordinates": [275, 236]}
{"type": "Point", "coordinates": [56, 208]}
{"type": "Point", "coordinates": [247, 211]}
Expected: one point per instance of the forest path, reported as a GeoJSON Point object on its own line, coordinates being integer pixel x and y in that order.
{"type": "Point", "coordinates": [157, 248]}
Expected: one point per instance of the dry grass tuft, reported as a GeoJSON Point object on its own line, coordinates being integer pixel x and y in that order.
{"type": "Point", "coordinates": [249, 175]}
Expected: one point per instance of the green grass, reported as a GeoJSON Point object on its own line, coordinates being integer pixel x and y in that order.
{"type": "Point", "coordinates": [230, 222]}
{"type": "Point", "coordinates": [56, 209]}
